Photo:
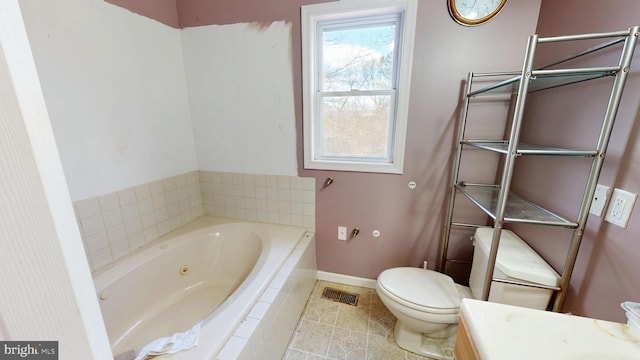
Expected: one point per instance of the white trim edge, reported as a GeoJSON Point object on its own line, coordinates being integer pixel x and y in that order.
{"type": "Point", "coordinates": [312, 13]}
{"type": "Point", "coordinates": [347, 279]}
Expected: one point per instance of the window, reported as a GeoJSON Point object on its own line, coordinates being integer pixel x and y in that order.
{"type": "Point", "coordinates": [356, 58]}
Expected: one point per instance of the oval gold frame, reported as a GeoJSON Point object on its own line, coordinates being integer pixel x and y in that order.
{"type": "Point", "coordinates": [472, 22]}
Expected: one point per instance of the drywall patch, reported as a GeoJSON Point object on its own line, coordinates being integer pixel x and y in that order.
{"type": "Point", "coordinates": [240, 84]}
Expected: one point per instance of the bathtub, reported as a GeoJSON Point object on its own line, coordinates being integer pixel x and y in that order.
{"type": "Point", "coordinates": [237, 277]}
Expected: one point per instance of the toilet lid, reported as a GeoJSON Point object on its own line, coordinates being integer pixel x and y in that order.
{"type": "Point", "coordinates": [424, 289]}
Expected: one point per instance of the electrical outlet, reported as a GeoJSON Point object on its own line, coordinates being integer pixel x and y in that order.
{"type": "Point", "coordinates": [342, 233]}
{"type": "Point", "coordinates": [617, 208]}
{"type": "Point", "coordinates": [620, 207]}
{"type": "Point", "coordinates": [600, 197]}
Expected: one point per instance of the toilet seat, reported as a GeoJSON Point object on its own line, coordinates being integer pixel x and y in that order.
{"type": "Point", "coordinates": [422, 290]}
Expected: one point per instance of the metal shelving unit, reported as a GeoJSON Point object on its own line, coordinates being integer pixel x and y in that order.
{"type": "Point", "coordinates": [496, 200]}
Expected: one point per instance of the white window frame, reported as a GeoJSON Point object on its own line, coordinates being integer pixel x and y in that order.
{"type": "Point", "coordinates": [346, 9]}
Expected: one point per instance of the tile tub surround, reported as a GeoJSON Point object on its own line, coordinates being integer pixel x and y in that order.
{"type": "Point", "coordinates": [331, 330]}
{"type": "Point", "coordinates": [284, 200]}
{"type": "Point", "coordinates": [112, 225]}
{"type": "Point", "coordinates": [270, 323]}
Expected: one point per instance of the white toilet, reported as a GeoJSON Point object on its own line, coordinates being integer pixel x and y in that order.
{"type": "Point", "coordinates": [426, 303]}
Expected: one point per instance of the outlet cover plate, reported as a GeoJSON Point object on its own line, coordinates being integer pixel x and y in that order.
{"type": "Point", "coordinates": [342, 233]}
{"type": "Point", "coordinates": [620, 207]}
{"type": "Point", "coordinates": [599, 199]}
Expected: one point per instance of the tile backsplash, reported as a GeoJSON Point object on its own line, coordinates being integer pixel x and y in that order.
{"type": "Point", "coordinates": [114, 224]}
{"type": "Point", "coordinates": [286, 200]}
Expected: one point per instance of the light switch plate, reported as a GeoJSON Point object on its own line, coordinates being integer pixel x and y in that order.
{"type": "Point", "coordinates": [620, 207]}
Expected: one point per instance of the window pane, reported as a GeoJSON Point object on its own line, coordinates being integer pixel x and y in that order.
{"type": "Point", "coordinates": [358, 58]}
{"type": "Point", "coordinates": [356, 126]}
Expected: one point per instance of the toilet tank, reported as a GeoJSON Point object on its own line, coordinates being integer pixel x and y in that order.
{"type": "Point", "coordinates": [515, 261]}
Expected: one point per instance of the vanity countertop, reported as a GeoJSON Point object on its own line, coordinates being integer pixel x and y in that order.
{"type": "Point", "coordinates": [504, 332]}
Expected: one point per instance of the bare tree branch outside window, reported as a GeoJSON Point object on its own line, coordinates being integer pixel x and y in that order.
{"type": "Point", "coordinates": [357, 84]}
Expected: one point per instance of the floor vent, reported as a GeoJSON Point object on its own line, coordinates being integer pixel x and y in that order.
{"type": "Point", "coordinates": [340, 296]}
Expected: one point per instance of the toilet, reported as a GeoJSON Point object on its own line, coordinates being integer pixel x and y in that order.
{"type": "Point", "coordinates": [426, 303]}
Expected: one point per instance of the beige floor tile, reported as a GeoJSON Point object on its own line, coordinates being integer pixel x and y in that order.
{"type": "Point", "coordinates": [376, 302]}
{"type": "Point", "coordinates": [328, 330]}
{"type": "Point", "coordinates": [347, 345]}
{"type": "Point", "coordinates": [357, 289]}
{"type": "Point", "coordinates": [381, 348]}
{"type": "Point", "coordinates": [353, 317]}
{"type": "Point", "coordinates": [364, 299]}
{"type": "Point", "coordinates": [381, 322]}
{"type": "Point", "coordinates": [312, 337]}
{"type": "Point", "coordinates": [321, 310]}
{"type": "Point", "coordinates": [316, 357]}
{"type": "Point", "coordinates": [295, 354]}
{"type": "Point", "coordinates": [411, 356]}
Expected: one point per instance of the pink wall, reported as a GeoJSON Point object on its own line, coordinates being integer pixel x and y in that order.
{"type": "Point", "coordinates": [164, 11]}
{"type": "Point", "coordinates": [607, 268]}
{"type": "Point", "coordinates": [207, 12]}
{"type": "Point", "coordinates": [411, 221]}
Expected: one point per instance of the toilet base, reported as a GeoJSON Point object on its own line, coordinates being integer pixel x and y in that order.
{"type": "Point", "coordinates": [416, 342]}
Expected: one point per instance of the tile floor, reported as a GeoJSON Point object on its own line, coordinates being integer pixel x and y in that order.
{"type": "Point", "coordinates": [331, 330]}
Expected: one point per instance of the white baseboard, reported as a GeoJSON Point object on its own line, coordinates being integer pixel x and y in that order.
{"type": "Point", "coordinates": [347, 279]}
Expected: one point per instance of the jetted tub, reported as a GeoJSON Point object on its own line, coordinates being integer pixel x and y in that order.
{"type": "Point", "coordinates": [212, 269]}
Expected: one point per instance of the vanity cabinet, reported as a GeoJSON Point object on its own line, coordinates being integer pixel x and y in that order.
{"type": "Point", "coordinates": [464, 349]}
{"type": "Point", "coordinates": [500, 205]}
{"type": "Point", "coordinates": [491, 331]}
